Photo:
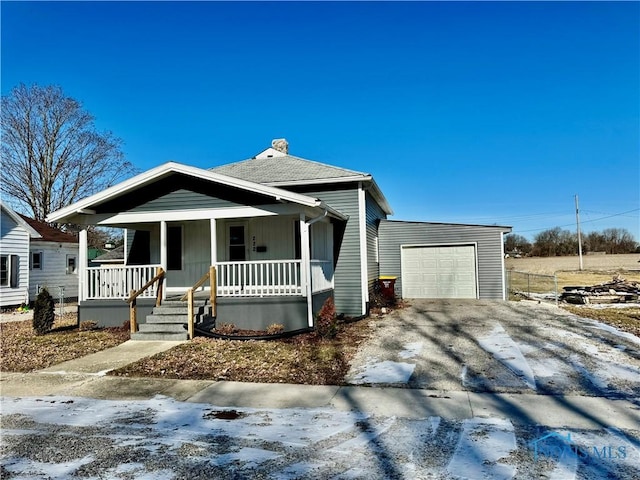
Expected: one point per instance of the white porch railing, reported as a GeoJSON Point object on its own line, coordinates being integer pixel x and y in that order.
{"type": "Point", "coordinates": [234, 279]}
{"type": "Point", "coordinates": [117, 282]}
{"type": "Point", "coordinates": [321, 275]}
{"type": "Point", "coordinates": [259, 279]}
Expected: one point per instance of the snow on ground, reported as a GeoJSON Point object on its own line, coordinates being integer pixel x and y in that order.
{"type": "Point", "coordinates": [60, 438]}
{"type": "Point", "coordinates": [491, 439]}
{"type": "Point", "coordinates": [388, 371]}
{"type": "Point", "coordinates": [505, 350]}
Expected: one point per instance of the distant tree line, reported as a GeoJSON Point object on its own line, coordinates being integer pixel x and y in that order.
{"type": "Point", "coordinates": [556, 241]}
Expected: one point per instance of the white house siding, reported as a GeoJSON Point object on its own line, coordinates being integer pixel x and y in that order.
{"type": "Point", "coordinates": [395, 234]}
{"type": "Point", "coordinates": [53, 273]}
{"type": "Point", "coordinates": [14, 240]}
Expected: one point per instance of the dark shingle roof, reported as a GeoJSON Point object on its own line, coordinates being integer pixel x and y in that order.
{"type": "Point", "coordinates": [283, 169]}
{"type": "Point", "coordinates": [49, 233]}
{"type": "Point", "coordinates": [115, 255]}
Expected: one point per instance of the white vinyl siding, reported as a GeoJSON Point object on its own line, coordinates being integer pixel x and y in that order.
{"type": "Point", "coordinates": [14, 244]}
{"type": "Point", "coordinates": [53, 271]}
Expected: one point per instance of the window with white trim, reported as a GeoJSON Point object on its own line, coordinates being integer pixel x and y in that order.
{"type": "Point", "coordinates": [4, 270]}
{"type": "Point", "coordinates": [72, 264]}
{"type": "Point", "coordinates": [36, 260]}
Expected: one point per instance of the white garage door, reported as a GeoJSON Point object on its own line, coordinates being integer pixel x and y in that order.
{"type": "Point", "coordinates": [439, 272]}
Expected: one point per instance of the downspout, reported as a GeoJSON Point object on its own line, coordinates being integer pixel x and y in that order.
{"type": "Point", "coordinates": [310, 321]}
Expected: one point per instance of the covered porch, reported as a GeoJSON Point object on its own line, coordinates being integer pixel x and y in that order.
{"type": "Point", "coordinates": [268, 269]}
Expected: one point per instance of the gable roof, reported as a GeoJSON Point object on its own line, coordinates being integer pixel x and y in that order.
{"type": "Point", "coordinates": [20, 221]}
{"type": "Point", "coordinates": [48, 233]}
{"type": "Point", "coordinates": [86, 205]}
{"type": "Point", "coordinates": [274, 168]}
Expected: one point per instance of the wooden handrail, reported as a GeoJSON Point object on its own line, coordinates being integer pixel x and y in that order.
{"type": "Point", "coordinates": [196, 285]}
{"type": "Point", "coordinates": [211, 276]}
{"type": "Point", "coordinates": [133, 312]}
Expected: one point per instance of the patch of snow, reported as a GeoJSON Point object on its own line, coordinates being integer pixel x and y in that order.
{"type": "Point", "coordinates": [483, 443]}
{"type": "Point", "coordinates": [505, 350]}
{"type": "Point", "coordinates": [608, 328]}
{"type": "Point", "coordinates": [411, 350]}
{"type": "Point", "coordinates": [250, 457]}
{"type": "Point", "coordinates": [35, 469]}
{"type": "Point", "coordinates": [296, 470]}
{"type": "Point", "coordinates": [385, 372]}
{"type": "Point", "coordinates": [364, 437]}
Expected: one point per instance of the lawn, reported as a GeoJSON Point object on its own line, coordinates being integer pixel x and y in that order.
{"type": "Point", "coordinates": [303, 359]}
{"type": "Point", "coordinates": [21, 350]}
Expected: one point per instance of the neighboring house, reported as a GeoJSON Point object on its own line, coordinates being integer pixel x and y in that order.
{"type": "Point", "coordinates": [53, 261]}
{"type": "Point", "coordinates": [284, 233]}
{"type": "Point", "coordinates": [110, 257]}
{"type": "Point", "coordinates": [15, 236]}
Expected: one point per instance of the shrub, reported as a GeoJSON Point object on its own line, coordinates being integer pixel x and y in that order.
{"type": "Point", "coordinates": [275, 328]}
{"type": "Point", "coordinates": [226, 329]}
{"type": "Point", "coordinates": [43, 313]}
{"type": "Point", "coordinates": [87, 325]}
{"type": "Point", "coordinates": [326, 322]}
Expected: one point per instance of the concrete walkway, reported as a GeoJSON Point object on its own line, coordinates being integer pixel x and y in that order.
{"type": "Point", "coordinates": [85, 377]}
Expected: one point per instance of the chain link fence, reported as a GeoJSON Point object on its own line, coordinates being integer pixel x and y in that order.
{"type": "Point", "coordinates": [532, 286]}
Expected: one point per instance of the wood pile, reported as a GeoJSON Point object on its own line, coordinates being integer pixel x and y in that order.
{"type": "Point", "coordinates": [618, 290]}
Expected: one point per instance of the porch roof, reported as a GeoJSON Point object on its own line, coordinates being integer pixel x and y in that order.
{"type": "Point", "coordinates": [87, 206]}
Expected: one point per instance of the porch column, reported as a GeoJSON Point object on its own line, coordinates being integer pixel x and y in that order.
{"type": "Point", "coordinates": [163, 253]}
{"type": "Point", "coordinates": [305, 267]}
{"type": "Point", "coordinates": [214, 242]}
{"type": "Point", "coordinates": [83, 263]}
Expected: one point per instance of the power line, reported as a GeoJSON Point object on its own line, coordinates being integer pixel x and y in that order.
{"type": "Point", "coordinates": [586, 221]}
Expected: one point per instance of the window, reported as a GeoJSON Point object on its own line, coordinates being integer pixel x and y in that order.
{"type": "Point", "coordinates": [9, 270]}
{"type": "Point", "coordinates": [36, 260]}
{"type": "Point", "coordinates": [71, 264]}
{"type": "Point", "coordinates": [237, 247]}
{"type": "Point", "coordinates": [174, 248]}
{"type": "Point", "coordinates": [4, 270]}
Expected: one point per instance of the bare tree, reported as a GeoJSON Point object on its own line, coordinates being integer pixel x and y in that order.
{"type": "Point", "coordinates": [52, 154]}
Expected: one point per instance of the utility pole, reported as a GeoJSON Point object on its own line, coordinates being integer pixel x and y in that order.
{"type": "Point", "coordinates": [579, 235]}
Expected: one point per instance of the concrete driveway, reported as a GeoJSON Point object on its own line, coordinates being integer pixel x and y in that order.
{"type": "Point", "coordinates": [490, 346]}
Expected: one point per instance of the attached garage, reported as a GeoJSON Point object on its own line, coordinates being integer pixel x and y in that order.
{"type": "Point", "coordinates": [447, 271]}
{"type": "Point", "coordinates": [443, 260]}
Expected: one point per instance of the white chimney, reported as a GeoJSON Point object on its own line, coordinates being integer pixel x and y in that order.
{"type": "Point", "coordinates": [281, 145]}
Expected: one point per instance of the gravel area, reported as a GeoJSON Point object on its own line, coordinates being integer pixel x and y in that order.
{"type": "Point", "coordinates": [486, 346]}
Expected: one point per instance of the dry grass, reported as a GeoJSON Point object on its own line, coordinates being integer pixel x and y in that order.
{"type": "Point", "coordinates": [21, 350]}
{"type": "Point", "coordinates": [625, 319]}
{"type": "Point", "coordinates": [304, 359]}
{"type": "Point", "coordinates": [609, 264]}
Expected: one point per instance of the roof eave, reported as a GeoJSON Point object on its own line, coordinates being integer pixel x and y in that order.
{"type": "Point", "coordinates": [172, 167]}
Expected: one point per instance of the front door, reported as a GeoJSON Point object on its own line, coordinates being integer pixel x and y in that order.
{"type": "Point", "coordinates": [237, 242]}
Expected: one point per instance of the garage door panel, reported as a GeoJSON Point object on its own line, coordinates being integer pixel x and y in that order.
{"type": "Point", "coordinates": [439, 272]}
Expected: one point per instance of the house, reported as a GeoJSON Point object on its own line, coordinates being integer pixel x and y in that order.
{"type": "Point", "coordinates": [15, 237]}
{"type": "Point", "coordinates": [284, 234]}
{"type": "Point", "coordinates": [53, 261]}
{"type": "Point", "coordinates": [114, 256]}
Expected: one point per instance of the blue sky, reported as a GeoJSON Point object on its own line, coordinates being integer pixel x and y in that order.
{"type": "Point", "coordinates": [491, 113]}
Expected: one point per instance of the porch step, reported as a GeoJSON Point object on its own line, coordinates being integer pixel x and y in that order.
{"type": "Point", "coordinates": [165, 328]}
{"type": "Point", "coordinates": [159, 336]}
{"type": "Point", "coordinates": [167, 322]}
